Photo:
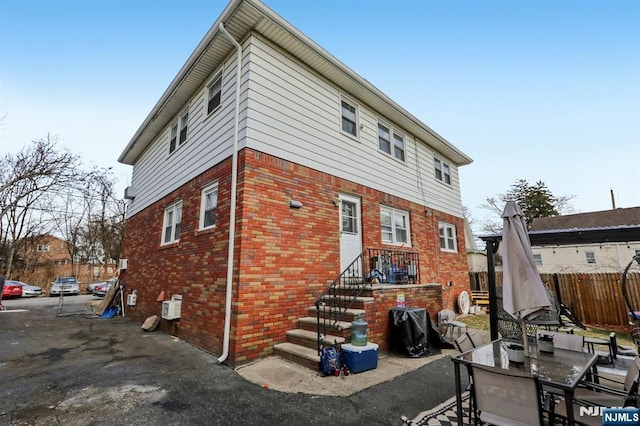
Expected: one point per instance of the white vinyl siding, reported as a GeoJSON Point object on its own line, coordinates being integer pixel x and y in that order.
{"type": "Point", "coordinates": [172, 223]}
{"type": "Point", "coordinates": [394, 226]}
{"type": "Point", "coordinates": [448, 240]}
{"type": "Point", "coordinates": [294, 115]}
{"type": "Point", "coordinates": [208, 206]}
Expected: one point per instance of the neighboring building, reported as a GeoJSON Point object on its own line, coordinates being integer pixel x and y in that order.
{"type": "Point", "coordinates": [327, 167]}
{"type": "Point", "coordinates": [588, 258]}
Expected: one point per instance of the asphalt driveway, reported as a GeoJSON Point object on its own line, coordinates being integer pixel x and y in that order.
{"type": "Point", "coordinates": [76, 369]}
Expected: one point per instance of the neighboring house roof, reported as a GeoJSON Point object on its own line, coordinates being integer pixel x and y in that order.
{"type": "Point", "coordinates": [240, 18]}
{"type": "Point", "coordinates": [617, 218]}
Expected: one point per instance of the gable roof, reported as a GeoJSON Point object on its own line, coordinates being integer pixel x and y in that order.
{"type": "Point", "coordinates": [617, 218]}
{"type": "Point", "coordinates": [240, 18]}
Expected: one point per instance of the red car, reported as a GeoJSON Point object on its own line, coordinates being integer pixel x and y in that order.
{"type": "Point", "coordinates": [11, 290]}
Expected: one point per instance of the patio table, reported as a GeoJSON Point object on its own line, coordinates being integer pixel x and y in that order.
{"type": "Point", "coordinates": [561, 369]}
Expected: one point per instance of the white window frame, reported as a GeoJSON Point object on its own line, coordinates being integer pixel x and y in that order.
{"type": "Point", "coordinates": [172, 221]}
{"type": "Point", "coordinates": [448, 242]}
{"type": "Point", "coordinates": [442, 170]}
{"type": "Point", "coordinates": [590, 257]}
{"type": "Point", "coordinates": [399, 152]}
{"type": "Point", "coordinates": [384, 140]}
{"type": "Point", "coordinates": [355, 119]}
{"type": "Point", "coordinates": [392, 231]}
{"type": "Point", "coordinates": [173, 137]}
{"type": "Point", "coordinates": [216, 82]}
{"type": "Point", "coordinates": [183, 134]}
{"type": "Point", "coordinates": [537, 259]}
{"type": "Point", "coordinates": [203, 206]}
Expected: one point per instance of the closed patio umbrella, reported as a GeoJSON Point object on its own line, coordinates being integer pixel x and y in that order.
{"type": "Point", "coordinates": [524, 295]}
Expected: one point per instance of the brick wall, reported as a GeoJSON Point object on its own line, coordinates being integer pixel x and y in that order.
{"type": "Point", "coordinates": [285, 257]}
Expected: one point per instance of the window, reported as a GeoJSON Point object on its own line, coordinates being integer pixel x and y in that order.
{"type": "Point", "coordinates": [43, 247]}
{"type": "Point", "coordinates": [174, 137]}
{"type": "Point", "coordinates": [349, 216]}
{"type": "Point", "coordinates": [442, 171]}
{"type": "Point", "coordinates": [172, 223]}
{"type": "Point", "coordinates": [447, 237]}
{"type": "Point", "coordinates": [537, 259]}
{"type": "Point", "coordinates": [591, 257]}
{"type": "Point", "coordinates": [349, 118]}
{"type": "Point", "coordinates": [384, 139]}
{"type": "Point", "coordinates": [184, 124]}
{"type": "Point", "coordinates": [394, 226]}
{"type": "Point", "coordinates": [398, 147]}
{"type": "Point", "coordinates": [214, 93]}
{"type": "Point", "coordinates": [208, 206]}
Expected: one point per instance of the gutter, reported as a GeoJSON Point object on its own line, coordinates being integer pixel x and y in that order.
{"type": "Point", "coordinates": [234, 198]}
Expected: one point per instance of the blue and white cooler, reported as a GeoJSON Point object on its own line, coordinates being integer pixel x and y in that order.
{"type": "Point", "coordinates": [360, 358]}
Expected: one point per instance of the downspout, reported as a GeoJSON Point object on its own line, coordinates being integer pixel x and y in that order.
{"type": "Point", "coordinates": [234, 196]}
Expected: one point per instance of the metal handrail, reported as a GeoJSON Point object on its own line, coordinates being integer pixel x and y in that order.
{"type": "Point", "coordinates": [383, 266]}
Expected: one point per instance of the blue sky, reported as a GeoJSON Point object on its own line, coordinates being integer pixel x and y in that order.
{"type": "Point", "coordinates": [539, 90]}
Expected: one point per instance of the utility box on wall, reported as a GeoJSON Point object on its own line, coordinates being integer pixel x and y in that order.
{"type": "Point", "coordinates": [171, 309]}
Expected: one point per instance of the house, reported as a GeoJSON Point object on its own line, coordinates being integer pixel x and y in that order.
{"type": "Point", "coordinates": [265, 139]}
{"type": "Point", "coordinates": [580, 257]}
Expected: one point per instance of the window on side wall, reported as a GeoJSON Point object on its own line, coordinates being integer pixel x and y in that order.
{"type": "Point", "coordinates": [349, 118]}
{"type": "Point", "coordinates": [591, 257]}
{"type": "Point", "coordinates": [43, 248]}
{"type": "Point", "coordinates": [384, 138]}
{"type": "Point", "coordinates": [172, 223]}
{"type": "Point", "coordinates": [447, 237]}
{"type": "Point", "coordinates": [537, 259]}
{"type": "Point", "coordinates": [398, 147]}
{"type": "Point", "coordinates": [208, 206]}
{"type": "Point", "coordinates": [214, 93]}
{"type": "Point", "coordinates": [184, 125]}
{"type": "Point", "coordinates": [394, 226]}
{"type": "Point", "coordinates": [173, 138]}
{"type": "Point", "coordinates": [443, 172]}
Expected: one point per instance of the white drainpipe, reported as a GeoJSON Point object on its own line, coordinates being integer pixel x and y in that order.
{"type": "Point", "coordinates": [234, 196]}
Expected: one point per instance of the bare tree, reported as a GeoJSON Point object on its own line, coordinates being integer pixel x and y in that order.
{"type": "Point", "coordinates": [27, 179]}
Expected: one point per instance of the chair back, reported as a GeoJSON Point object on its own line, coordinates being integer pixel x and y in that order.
{"type": "Point", "coordinates": [479, 337]}
{"type": "Point", "coordinates": [570, 342]}
{"type": "Point", "coordinates": [506, 397]}
{"type": "Point", "coordinates": [464, 343]}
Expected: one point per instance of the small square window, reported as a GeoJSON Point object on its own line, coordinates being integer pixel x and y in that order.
{"type": "Point", "coordinates": [591, 257]}
{"type": "Point", "coordinates": [43, 248]}
{"type": "Point", "coordinates": [172, 223]}
{"type": "Point", "coordinates": [447, 237]}
{"type": "Point", "coordinates": [209, 206]}
{"type": "Point", "coordinates": [349, 118]}
{"type": "Point", "coordinates": [537, 259]}
{"type": "Point", "coordinates": [214, 94]}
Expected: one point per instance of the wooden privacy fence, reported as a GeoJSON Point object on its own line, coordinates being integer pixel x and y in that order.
{"type": "Point", "coordinates": [596, 299]}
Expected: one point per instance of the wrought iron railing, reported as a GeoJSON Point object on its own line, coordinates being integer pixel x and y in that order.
{"type": "Point", "coordinates": [372, 266]}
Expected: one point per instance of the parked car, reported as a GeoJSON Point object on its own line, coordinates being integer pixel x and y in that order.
{"type": "Point", "coordinates": [11, 290]}
{"type": "Point", "coordinates": [27, 289]}
{"type": "Point", "coordinates": [101, 288]}
{"type": "Point", "coordinates": [91, 288]}
{"type": "Point", "coordinates": [65, 285]}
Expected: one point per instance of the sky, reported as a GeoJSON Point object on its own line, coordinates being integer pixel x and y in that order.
{"type": "Point", "coordinates": [545, 90]}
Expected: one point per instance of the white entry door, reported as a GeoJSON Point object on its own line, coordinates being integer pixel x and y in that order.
{"type": "Point", "coordinates": [350, 230]}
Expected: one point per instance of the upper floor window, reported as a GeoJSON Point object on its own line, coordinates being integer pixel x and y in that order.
{"type": "Point", "coordinates": [184, 125]}
{"type": "Point", "coordinates": [384, 141]}
{"type": "Point", "coordinates": [173, 140]}
{"type": "Point", "coordinates": [537, 259]}
{"type": "Point", "coordinates": [398, 147]}
{"type": "Point", "coordinates": [349, 118]}
{"type": "Point", "coordinates": [443, 172]}
{"type": "Point", "coordinates": [172, 223]}
{"type": "Point", "coordinates": [43, 247]}
{"type": "Point", "coordinates": [214, 93]}
{"type": "Point", "coordinates": [394, 226]}
{"type": "Point", "coordinates": [208, 206]}
{"type": "Point", "coordinates": [447, 237]}
{"type": "Point", "coordinates": [591, 257]}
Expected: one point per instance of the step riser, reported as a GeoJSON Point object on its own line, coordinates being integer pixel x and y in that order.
{"type": "Point", "coordinates": [313, 365]}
